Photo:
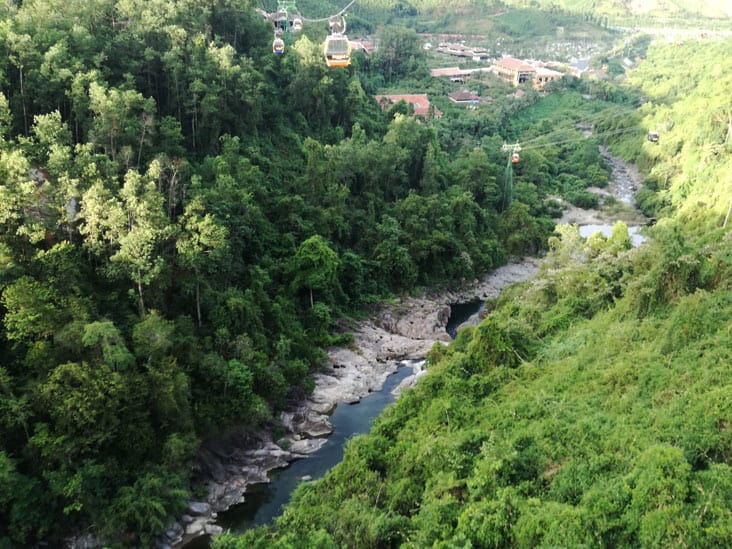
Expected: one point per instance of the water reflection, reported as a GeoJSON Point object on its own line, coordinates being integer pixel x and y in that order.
{"type": "Point", "coordinates": [636, 239]}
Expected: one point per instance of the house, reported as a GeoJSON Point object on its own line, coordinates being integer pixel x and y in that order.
{"type": "Point", "coordinates": [451, 72]}
{"type": "Point", "coordinates": [456, 74]}
{"type": "Point", "coordinates": [420, 102]}
{"type": "Point", "coordinates": [514, 70]}
{"type": "Point", "coordinates": [544, 76]}
{"type": "Point", "coordinates": [463, 97]}
{"type": "Point", "coordinates": [366, 45]}
{"type": "Point", "coordinates": [461, 50]}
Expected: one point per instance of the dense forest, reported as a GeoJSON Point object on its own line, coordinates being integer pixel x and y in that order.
{"type": "Point", "coordinates": [592, 406]}
{"type": "Point", "coordinates": [184, 216]}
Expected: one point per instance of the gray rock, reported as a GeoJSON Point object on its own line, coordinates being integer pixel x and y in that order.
{"type": "Point", "coordinates": [196, 527]}
{"type": "Point", "coordinates": [307, 445]}
{"type": "Point", "coordinates": [213, 529]}
{"type": "Point", "coordinates": [199, 507]}
{"type": "Point", "coordinates": [174, 531]}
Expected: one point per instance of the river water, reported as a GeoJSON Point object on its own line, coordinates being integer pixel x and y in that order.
{"type": "Point", "coordinates": [461, 312]}
{"type": "Point", "coordinates": [636, 239]}
{"type": "Point", "coordinates": [265, 501]}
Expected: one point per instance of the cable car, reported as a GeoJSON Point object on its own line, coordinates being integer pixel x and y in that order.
{"type": "Point", "coordinates": [653, 137]}
{"type": "Point", "coordinates": [296, 24]}
{"type": "Point", "coordinates": [278, 46]}
{"type": "Point", "coordinates": [337, 51]}
{"type": "Point", "coordinates": [515, 158]}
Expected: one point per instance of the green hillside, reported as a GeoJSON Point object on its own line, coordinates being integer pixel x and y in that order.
{"type": "Point", "coordinates": [592, 406]}
{"type": "Point", "coordinates": [185, 217]}
{"type": "Point", "coordinates": [630, 12]}
{"type": "Point", "coordinates": [655, 8]}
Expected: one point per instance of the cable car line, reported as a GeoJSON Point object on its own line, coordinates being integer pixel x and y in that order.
{"type": "Point", "coordinates": [514, 157]}
{"type": "Point", "coordinates": [287, 20]}
{"type": "Point", "coordinates": [590, 120]}
{"type": "Point", "coordinates": [576, 139]}
{"type": "Point", "coordinates": [324, 19]}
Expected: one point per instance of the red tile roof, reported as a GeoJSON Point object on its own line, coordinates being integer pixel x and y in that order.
{"type": "Point", "coordinates": [419, 101]}
{"type": "Point", "coordinates": [447, 71]}
{"type": "Point", "coordinates": [462, 96]}
{"type": "Point", "coordinates": [514, 64]}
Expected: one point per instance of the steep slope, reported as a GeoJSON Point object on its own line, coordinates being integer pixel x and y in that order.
{"type": "Point", "coordinates": [592, 406]}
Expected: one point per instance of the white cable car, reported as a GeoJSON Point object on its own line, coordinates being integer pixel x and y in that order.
{"type": "Point", "coordinates": [278, 46]}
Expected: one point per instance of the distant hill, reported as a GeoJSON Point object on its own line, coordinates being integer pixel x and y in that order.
{"type": "Point", "coordinates": [655, 8]}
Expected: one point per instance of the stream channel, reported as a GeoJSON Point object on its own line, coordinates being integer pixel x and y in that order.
{"type": "Point", "coordinates": [264, 502]}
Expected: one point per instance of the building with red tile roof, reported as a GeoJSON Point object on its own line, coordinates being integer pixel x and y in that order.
{"type": "Point", "coordinates": [420, 102]}
{"type": "Point", "coordinates": [544, 76]}
{"type": "Point", "coordinates": [463, 97]}
{"type": "Point", "coordinates": [514, 70]}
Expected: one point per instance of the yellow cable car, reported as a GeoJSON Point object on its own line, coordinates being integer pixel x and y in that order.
{"type": "Point", "coordinates": [278, 46]}
{"type": "Point", "coordinates": [337, 50]}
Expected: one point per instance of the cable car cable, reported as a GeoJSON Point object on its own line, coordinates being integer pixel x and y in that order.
{"type": "Point", "coordinates": [330, 16]}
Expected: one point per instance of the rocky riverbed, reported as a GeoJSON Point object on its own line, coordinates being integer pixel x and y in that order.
{"type": "Point", "coordinates": [617, 202]}
{"type": "Point", "coordinates": [405, 328]}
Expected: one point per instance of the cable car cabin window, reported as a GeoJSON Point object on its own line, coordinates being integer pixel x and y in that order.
{"type": "Point", "coordinates": [337, 46]}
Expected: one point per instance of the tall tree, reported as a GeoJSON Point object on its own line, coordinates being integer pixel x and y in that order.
{"type": "Point", "coordinates": [200, 244]}
{"type": "Point", "coordinates": [315, 266]}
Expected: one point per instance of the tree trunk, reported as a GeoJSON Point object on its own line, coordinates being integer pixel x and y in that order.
{"type": "Point", "coordinates": [139, 291]}
{"type": "Point", "coordinates": [22, 97]}
{"type": "Point", "coordinates": [198, 303]}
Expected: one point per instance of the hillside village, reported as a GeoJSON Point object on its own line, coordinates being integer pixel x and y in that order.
{"type": "Point", "coordinates": [520, 73]}
{"type": "Point", "coordinates": [517, 72]}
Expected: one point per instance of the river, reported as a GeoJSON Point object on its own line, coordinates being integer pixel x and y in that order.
{"type": "Point", "coordinates": [264, 501]}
